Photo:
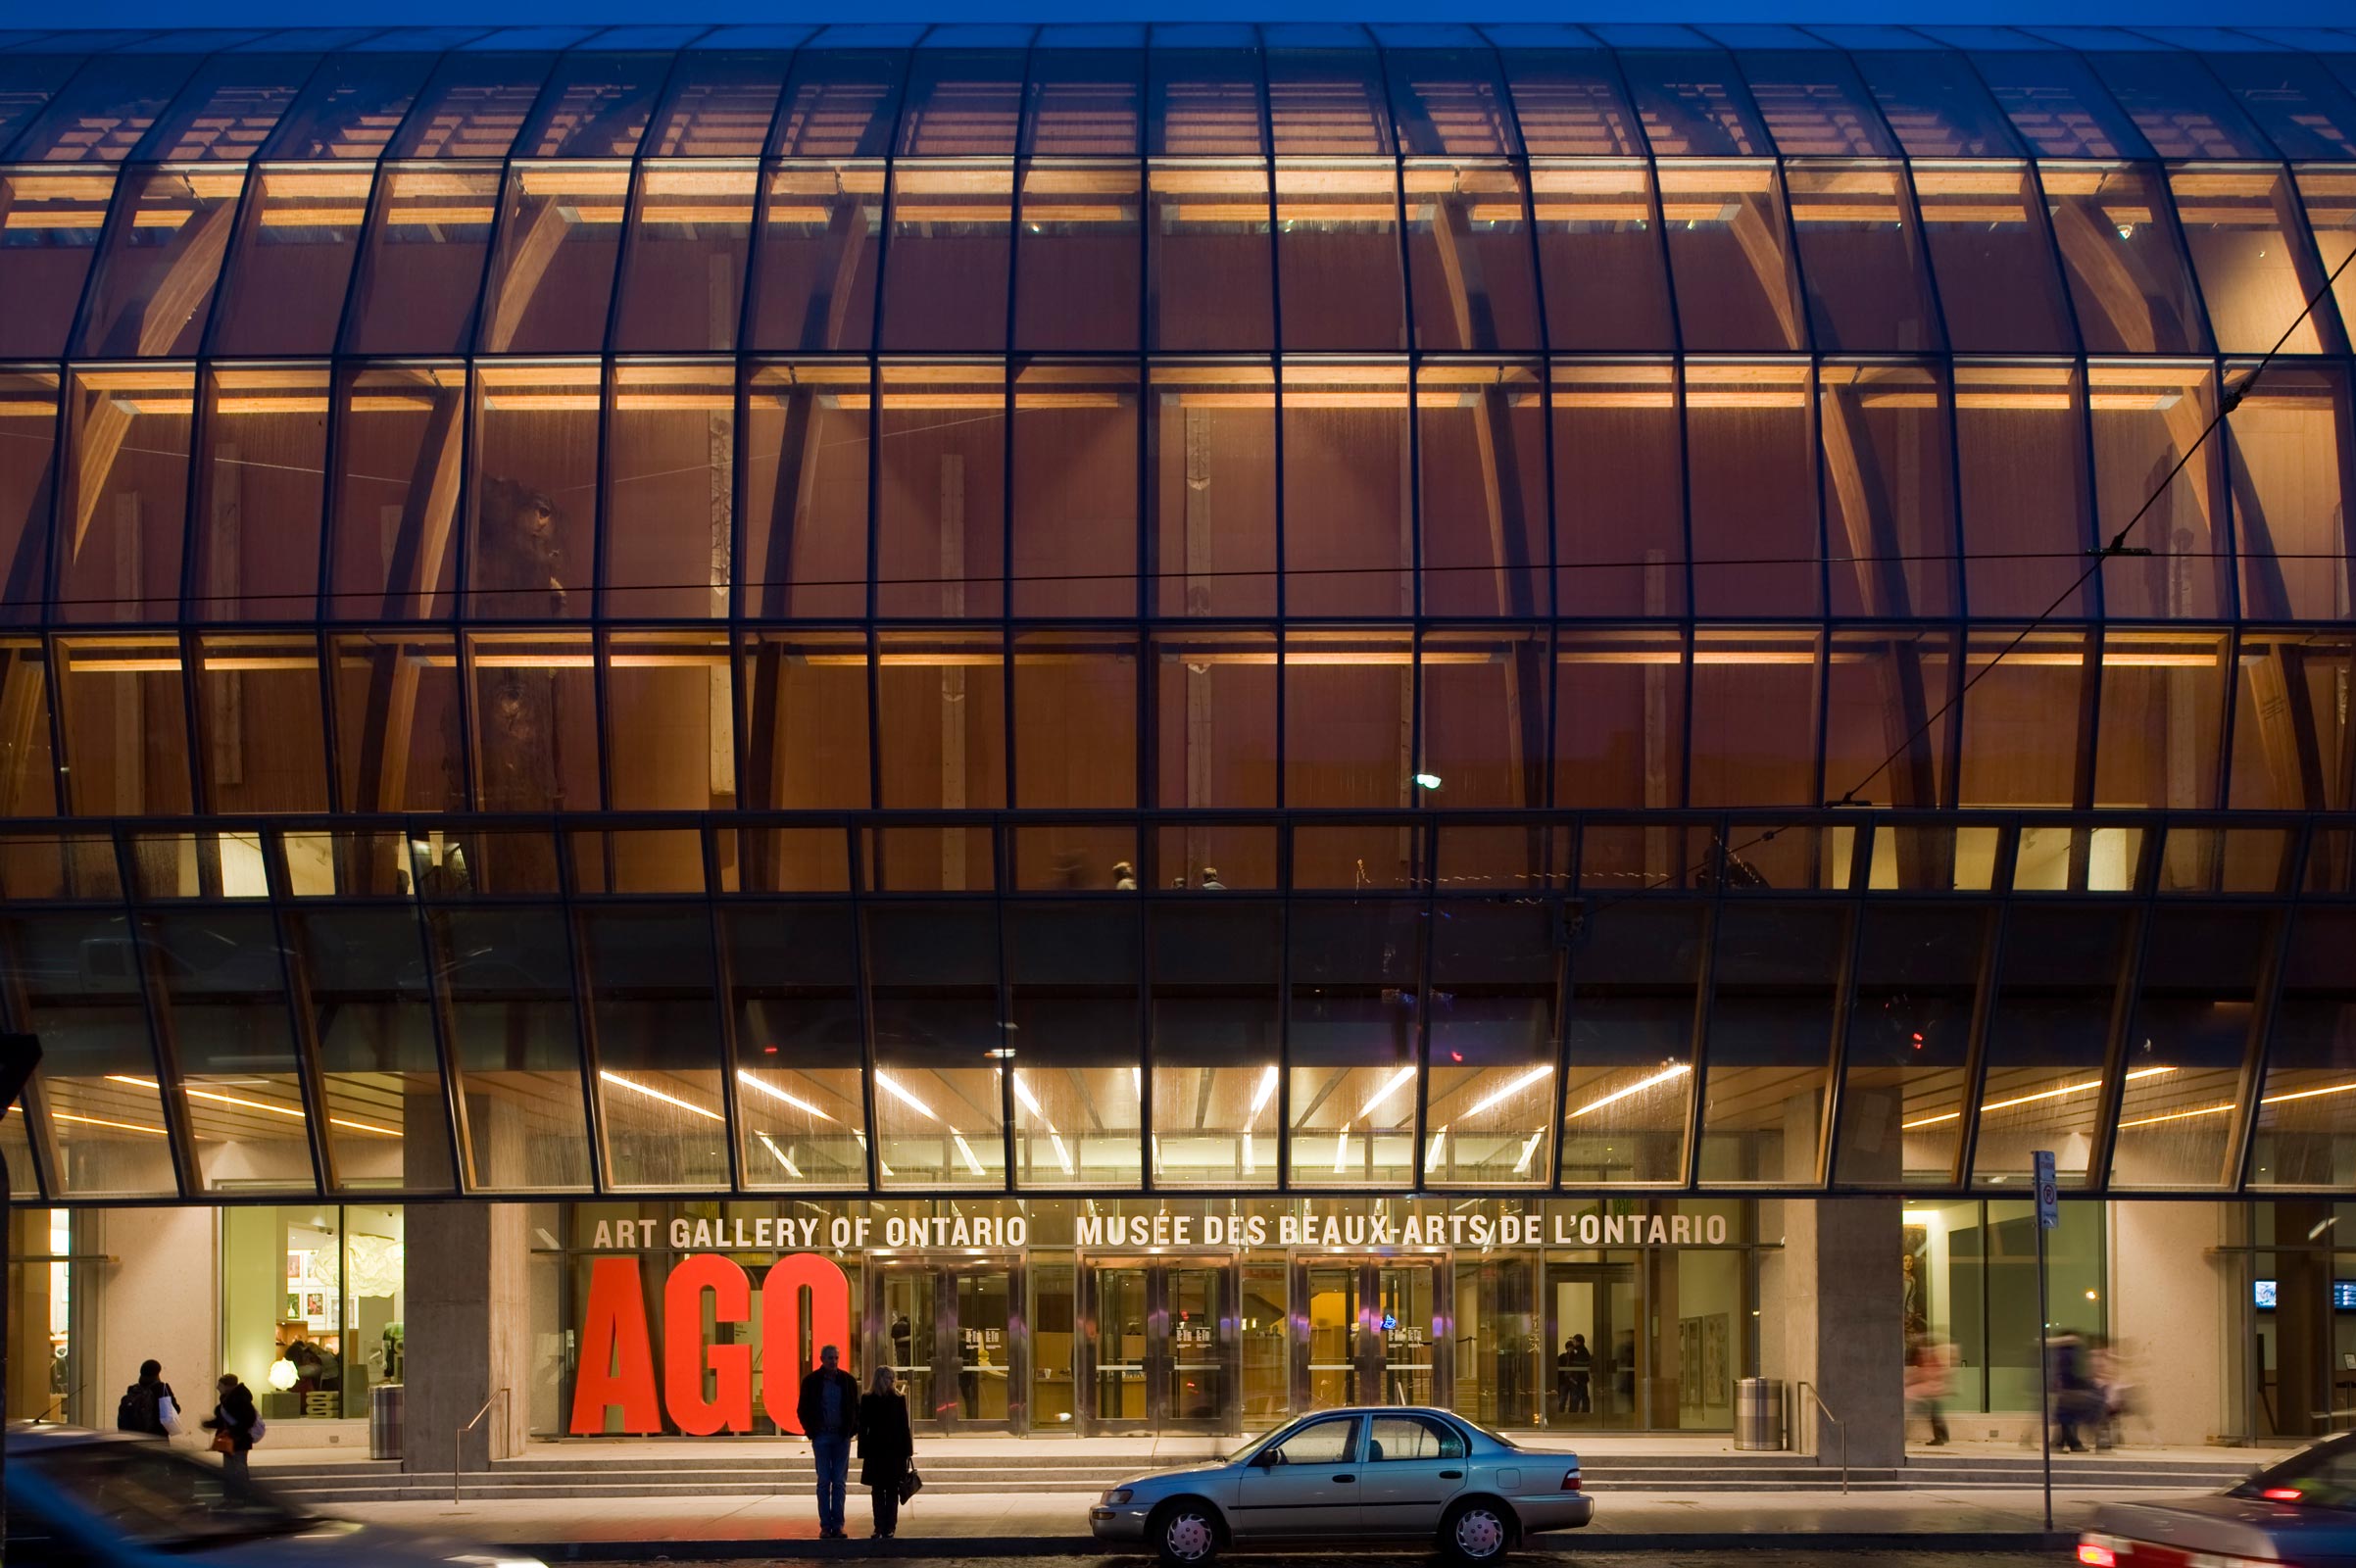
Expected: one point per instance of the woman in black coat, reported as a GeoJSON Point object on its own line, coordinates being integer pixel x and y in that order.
{"type": "Point", "coordinates": [235, 1416]}
{"type": "Point", "coordinates": [886, 1446]}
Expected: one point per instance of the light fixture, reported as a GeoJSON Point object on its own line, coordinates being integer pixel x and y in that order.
{"type": "Point", "coordinates": [1521, 1166]}
{"type": "Point", "coordinates": [1673, 1070]}
{"type": "Point", "coordinates": [637, 1087]}
{"type": "Point", "coordinates": [890, 1086]}
{"type": "Point", "coordinates": [2029, 1100]}
{"type": "Point", "coordinates": [1399, 1080]}
{"type": "Point", "coordinates": [282, 1375]}
{"type": "Point", "coordinates": [1512, 1089]}
{"type": "Point", "coordinates": [1427, 781]}
{"type": "Point", "coordinates": [1265, 1093]}
{"type": "Point", "coordinates": [791, 1169]}
{"type": "Point", "coordinates": [1341, 1152]}
{"type": "Point", "coordinates": [764, 1087]}
{"type": "Point", "coordinates": [966, 1149]}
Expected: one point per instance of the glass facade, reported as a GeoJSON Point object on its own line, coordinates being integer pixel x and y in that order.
{"type": "Point", "coordinates": [1240, 611]}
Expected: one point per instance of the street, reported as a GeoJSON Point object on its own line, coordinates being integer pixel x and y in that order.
{"type": "Point", "coordinates": [1763, 1558]}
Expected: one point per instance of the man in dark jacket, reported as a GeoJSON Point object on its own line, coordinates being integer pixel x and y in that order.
{"type": "Point", "coordinates": [829, 1412]}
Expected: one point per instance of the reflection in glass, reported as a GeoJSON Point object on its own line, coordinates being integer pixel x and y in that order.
{"type": "Point", "coordinates": [1076, 1074]}
{"type": "Point", "coordinates": [650, 989]}
{"type": "Point", "coordinates": [1216, 1036]}
{"type": "Point", "coordinates": [1628, 1047]}
{"type": "Point", "coordinates": [2052, 1023]}
{"type": "Point", "coordinates": [2180, 1111]}
{"type": "Point", "coordinates": [1767, 1062]}
{"type": "Point", "coordinates": [507, 975]}
{"type": "Point", "coordinates": [224, 978]}
{"type": "Point", "coordinates": [1491, 1091]}
{"type": "Point", "coordinates": [799, 1046]}
{"type": "Point", "coordinates": [2304, 1135]}
{"type": "Point", "coordinates": [1353, 1043]}
{"type": "Point", "coordinates": [1907, 1044]}
{"type": "Point", "coordinates": [939, 1077]}
{"type": "Point", "coordinates": [388, 1124]}
{"type": "Point", "coordinates": [83, 995]}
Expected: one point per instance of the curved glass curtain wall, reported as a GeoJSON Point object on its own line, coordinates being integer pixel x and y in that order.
{"type": "Point", "coordinates": [1198, 423]}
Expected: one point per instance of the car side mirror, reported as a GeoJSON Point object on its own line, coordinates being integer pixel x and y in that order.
{"type": "Point", "coordinates": [1270, 1458]}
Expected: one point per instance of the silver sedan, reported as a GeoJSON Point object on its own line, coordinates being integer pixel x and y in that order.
{"type": "Point", "coordinates": [1388, 1473]}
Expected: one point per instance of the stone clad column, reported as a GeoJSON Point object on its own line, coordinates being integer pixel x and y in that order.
{"type": "Point", "coordinates": [1843, 1328]}
{"type": "Point", "coordinates": [469, 1332]}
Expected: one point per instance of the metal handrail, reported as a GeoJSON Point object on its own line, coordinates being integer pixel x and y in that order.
{"type": "Point", "coordinates": [1809, 1389]}
{"type": "Point", "coordinates": [458, 1441]}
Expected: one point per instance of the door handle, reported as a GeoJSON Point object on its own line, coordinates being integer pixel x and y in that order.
{"type": "Point", "coordinates": [1452, 1475]}
{"type": "Point", "coordinates": [1346, 1478]}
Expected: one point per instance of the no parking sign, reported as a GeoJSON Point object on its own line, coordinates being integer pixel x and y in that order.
{"type": "Point", "coordinates": [2048, 1191]}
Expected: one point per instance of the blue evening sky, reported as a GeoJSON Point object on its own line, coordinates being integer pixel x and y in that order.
{"type": "Point", "coordinates": [291, 13]}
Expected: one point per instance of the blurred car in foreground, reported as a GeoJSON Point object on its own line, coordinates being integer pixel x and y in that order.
{"type": "Point", "coordinates": [2300, 1513]}
{"type": "Point", "coordinates": [113, 1499]}
{"type": "Point", "coordinates": [1387, 1473]}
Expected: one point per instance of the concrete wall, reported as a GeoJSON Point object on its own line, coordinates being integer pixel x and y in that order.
{"type": "Point", "coordinates": [1836, 1290]}
{"type": "Point", "coordinates": [159, 1295]}
{"type": "Point", "coordinates": [468, 1332]}
{"type": "Point", "coordinates": [2169, 1319]}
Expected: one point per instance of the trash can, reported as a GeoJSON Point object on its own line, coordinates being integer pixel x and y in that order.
{"type": "Point", "coordinates": [1759, 1413]}
{"type": "Point", "coordinates": [385, 1421]}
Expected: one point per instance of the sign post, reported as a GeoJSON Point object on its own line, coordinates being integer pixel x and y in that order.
{"type": "Point", "coordinates": [2048, 1215]}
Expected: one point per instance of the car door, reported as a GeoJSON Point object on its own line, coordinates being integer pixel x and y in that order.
{"type": "Point", "coordinates": [1414, 1464]}
{"type": "Point", "coordinates": [1305, 1483]}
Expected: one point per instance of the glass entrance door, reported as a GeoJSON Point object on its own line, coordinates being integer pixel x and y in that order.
{"type": "Point", "coordinates": [954, 1334]}
{"type": "Point", "coordinates": [1371, 1333]}
{"type": "Point", "coordinates": [1591, 1346]}
{"type": "Point", "coordinates": [1160, 1345]}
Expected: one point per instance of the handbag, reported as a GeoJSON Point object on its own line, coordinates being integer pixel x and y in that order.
{"type": "Point", "coordinates": [224, 1441]}
{"type": "Point", "coordinates": [911, 1483]}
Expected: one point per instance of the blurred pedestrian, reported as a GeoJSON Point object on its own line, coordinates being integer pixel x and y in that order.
{"type": "Point", "coordinates": [886, 1448]}
{"type": "Point", "coordinates": [1928, 1380]}
{"type": "Point", "coordinates": [829, 1412]}
{"type": "Point", "coordinates": [236, 1426]}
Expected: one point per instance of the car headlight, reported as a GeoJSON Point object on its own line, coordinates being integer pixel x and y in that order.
{"type": "Point", "coordinates": [1118, 1495]}
{"type": "Point", "coordinates": [499, 1559]}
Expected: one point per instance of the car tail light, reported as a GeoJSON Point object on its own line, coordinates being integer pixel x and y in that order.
{"type": "Point", "coordinates": [2096, 1555]}
{"type": "Point", "coordinates": [1570, 1480]}
{"type": "Point", "coordinates": [2282, 1493]}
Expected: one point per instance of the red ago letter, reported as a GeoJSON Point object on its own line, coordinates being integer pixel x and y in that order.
{"type": "Point", "coordinates": [684, 1354]}
{"type": "Point", "coordinates": [781, 1327]}
{"type": "Point", "coordinates": [618, 1359]}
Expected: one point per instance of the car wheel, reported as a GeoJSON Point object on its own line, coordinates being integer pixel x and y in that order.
{"type": "Point", "coordinates": [1477, 1533]}
{"type": "Point", "coordinates": [1185, 1534]}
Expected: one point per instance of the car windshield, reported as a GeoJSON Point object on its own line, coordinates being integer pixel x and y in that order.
{"type": "Point", "coordinates": [1256, 1444]}
{"type": "Point", "coordinates": [2320, 1477]}
{"type": "Point", "coordinates": [147, 1495]}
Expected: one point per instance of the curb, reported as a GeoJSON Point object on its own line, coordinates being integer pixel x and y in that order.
{"type": "Point", "coordinates": [1558, 1548]}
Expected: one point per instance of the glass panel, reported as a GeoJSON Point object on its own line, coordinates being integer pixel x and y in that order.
{"type": "Point", "coordinates": [28, 776]}
{"type": "Point", "coordinates": [1620, 719]}
{"type": "Point", "coordinates": [805, 490]}
{"type": "Point", "coordinates": [507, 975]}
{"type": "Point", "coordinates": [2120, 250]}
{"type": "Point", "coordinates": [2022, 717]}
{"type": "Point", "coordinates": [1600, 256]}
{"type": "Point", "coordinates": [2256, 271]}
{"type": "Point", "coordinates": [81, 975]}
{"type": "Point", "coordinates": [388, 1122]}
{"type": "Point", "coordinates": [2057, 105]}
{"type": "Point", "coordinates": [841, 103]}
{"type": "Point", "coordinates": [2178, 106]}
{"type": "Point", "coordinates": [2330, 202]}
{"type": "Point", "coordinates": [670, 448]}
{"type": "Point", "coordinates": [350, 110]}
{"type": "Point", "coordinates": [258, 704]}
{"type": "Point", "coordinates": [1858, 247]}
{"type": "Point", "coordinates": [798, 1044]}
{"type": "Point", "coordinates": [1213, 493]}
{"type": "Point", "coordinates": [102, 113]}
{"type": "Point", "coordinates": [2303, 1137]}
{"type": "Point", "coordinates": [940, 728]}
{"type": "Point", "coordinates": [1072, 983]}
{"type": "Point", "coordinates": [2046, 1037]}
{"type": "Point", "coordinates": [1754, 695]}
{"type": "Point", "coordinates": [939, 1098]}
{"type": "Point", "coordinates": [814, 283]}
{"type": "Point", "coordinates": [1203, 102]}
{"type": "Point", "coordinates": [157, 271]}
{"type": "Point", "coordinates": [49, 228]}
{"type": "Point", "coordinates": [1338, 263]}
{"type": "Point", "coordinates": [1986, 228]}
{"type": "Point", "coordinates": [1328, 101]}
{"type": "Point", "coordinates": [400, 745]}
{"type": "Point", "coordinates": [1075, 720]}
{"type": "Point", "coordinates": [1628, 1089]}
{"type": "Point", "coordinates": [2289, 716]}
{"type": "Point", "coordinates": [2180, 1112]}
{"type": "Point", "coordinates": [1353, 1043]}
{"type": "Point", "coordinates": [806, 721]}
{"type": "Point", "coordinates": [422, 266]}
{"type": "Point", "coordinates": [650, 985]}
{"type": "Point", "coordinates": [259, 508]}
{"type": "Point", "coordinates": [1568, 103]}
{"type": "Point", "coordinates": [1211, 271]}
{"type": "Point", "coordinates": [1216, 1040]}
{"type": "Point", "coordinates": [1619, 490]}
{"type": "Point", "coordinates": [683, 284]}
{"type": "Point", "coordinates": [597, 107]}
{"type": "Point", "coordinates": [28, 491]}
{"type": "Point", "coordinates": [223, 979]}
{"type": "Point", "coordinates": [2163, 719]}
{"type": "Point", "coordinates": [1075, 544]}
{"type": "Point", "coordinates": [1468, 252]}
{"type": "Point", "coordinates": [126, 497]}
{"type": "Point", "coordinates": [1348, 510]}
{"type": "Point", "coordinates": [2147, 419]}
{"type": "Point", "coordinates": [535, 723]}
{"type": "Point", "coordinates": [2304, 112]}
{"type": "Point", "coordinates": [532, 508]}
{"type": "Point", "coordinates": [1216, 699]}
{"type": "Point", "coordinates": [472, 108]}
{"type": "Point", "coordinates": [961, 103]}
{"type": "Point", "coordinates": [1693, 105]}
{"type": "Point", "coordinates": [1349, 713]}
{"type": "Point", "coordinates": [1882, 744]}
{"type": "Point", "coordinates": [1482, 473]}
{"type": "Point", "coordinates": [1909, 1038]}
{"type": "Point", "coordinates": [1814, 104]}
{"type": "Point", "coordinates": [1767, 1060]}
{"type": "Point", "coordinates": [227, 110]}
{"type": "Point", "coordinates": [283, 286]}
{"type": "Point", "coordinates": [1748, 458]}
{"type": "Point", "coordinates": [718, 104]}
{"type": "Point", "coordinates": [941, 508]}
{"type": "Point", "coordinates": [2019, 435]}
{"type": "Point", "coordinates": [950, 245]}
{"type": "Point", "coordinates": [551, 275]}
{"type": "Point", "coordinates": [26, 83]}
{"type": "Point", "coordinates": [1728, 253]}
{"type": "Point", "coordinates": [1449, 102]}
{"type": "Point", "coordinates": [1083, 101]}
{"type": "Point", "coordinates": [1483, 718]}
{"type": "Point", "coordinates": [126, 727]}
{"type": "Point", "coordinates": [1890, 523]}
{"type": "Point", "coordinates": [396, 494]}
{"type": "Point", "coordinates": [1076, 267]}
{"type": "Point", "coordinates": [2286, 443]}
{"type": "Point", "coordinates": [1492, 1089]}
{"type": "Point", "coordinates": [668, 711]}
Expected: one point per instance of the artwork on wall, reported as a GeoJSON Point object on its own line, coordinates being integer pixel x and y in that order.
{"type": "Point", "coordinates": [1717, 1346]}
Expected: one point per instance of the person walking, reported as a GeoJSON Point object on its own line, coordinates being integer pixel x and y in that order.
{"type": "Point", "coordinates": [149, 1405]}
{"type": "Point", "coordinates": [236, 1426]}
{"type": "Point", "coordinates": [829, 1412]}
{"type": "Point", "coordinates": [2075, 1399]}
{"type": "Point", "coordinates": [1928, 1382]}
{"type": "Point", "coordinates": [1578, 1371]}
{"type": "Point", "coordinates": [886, 1448]}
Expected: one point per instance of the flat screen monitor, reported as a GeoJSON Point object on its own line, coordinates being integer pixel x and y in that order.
{"type": "Point", "coordinates": [2265, 1295]}
{"type": "Point", "coordinates": [2343, 1296]}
